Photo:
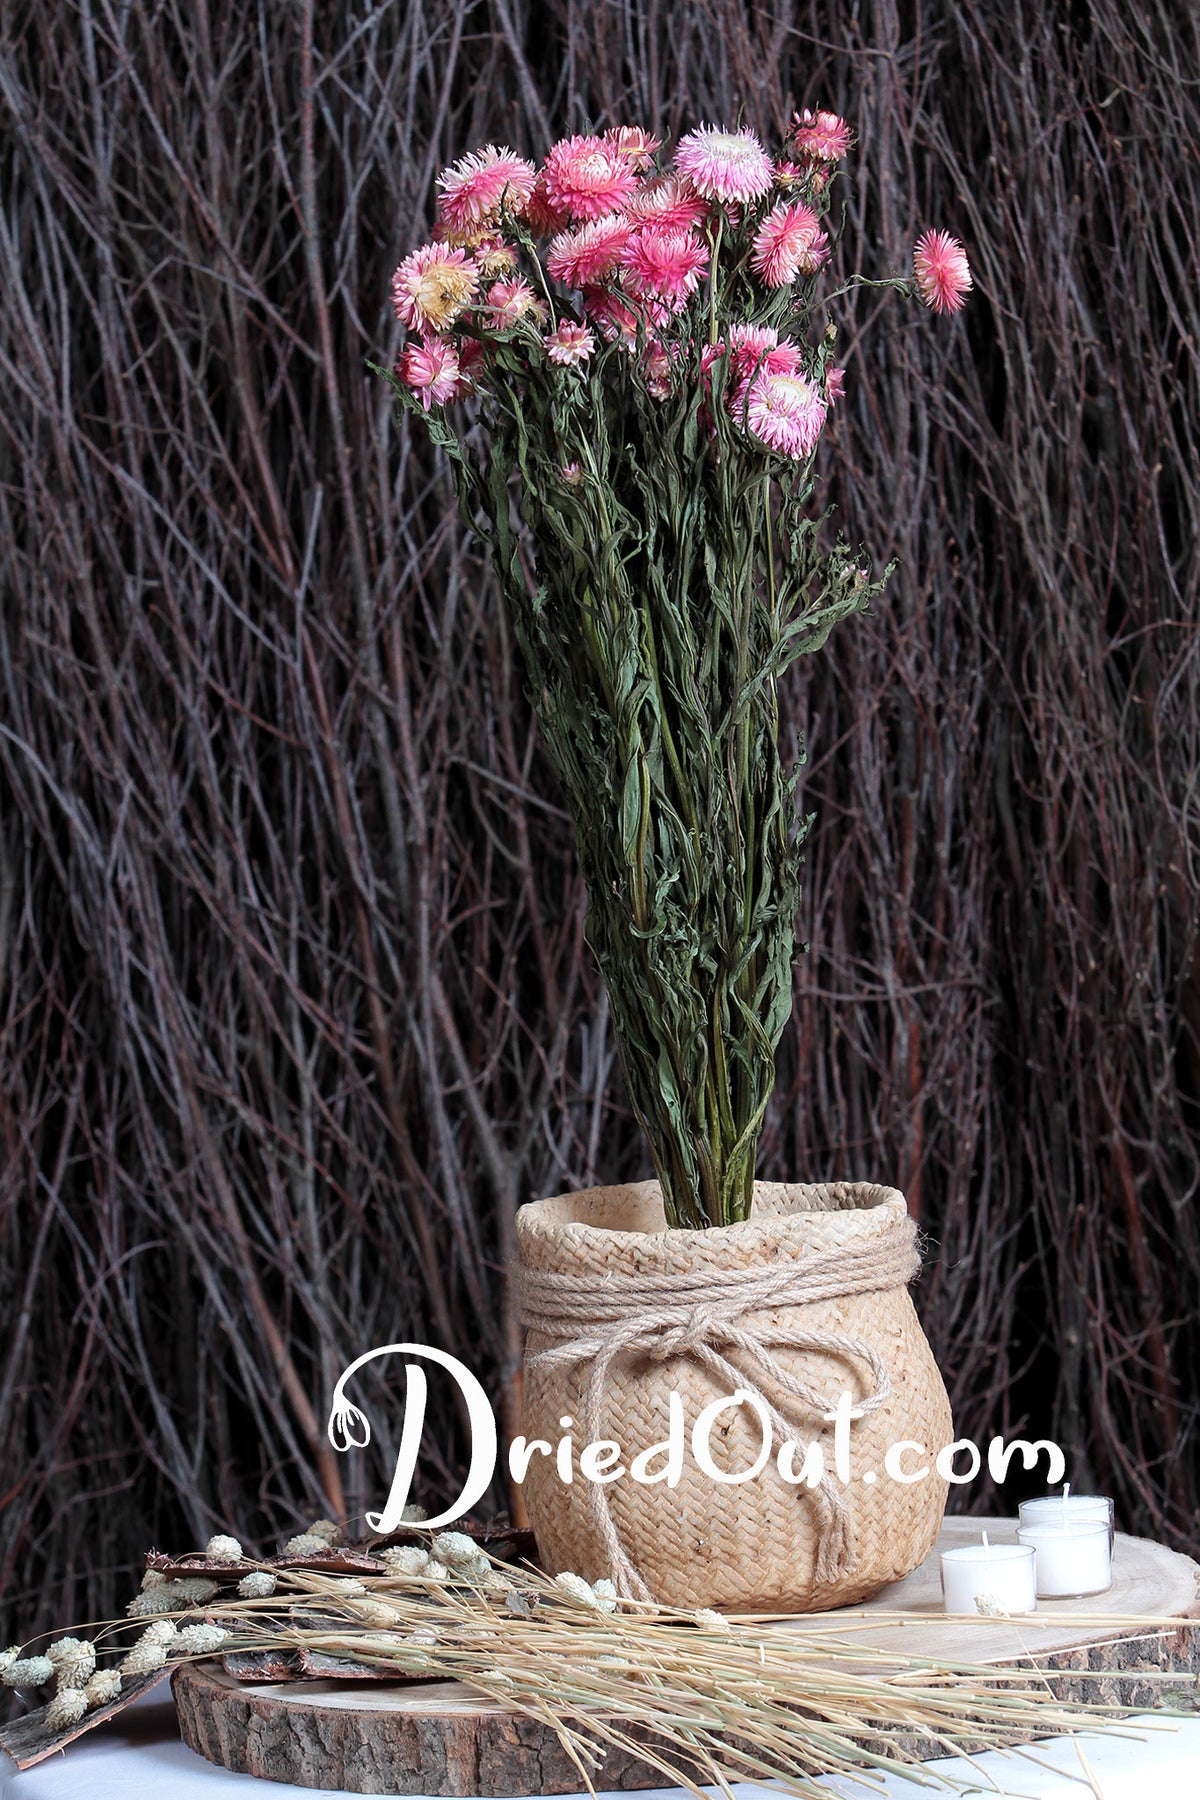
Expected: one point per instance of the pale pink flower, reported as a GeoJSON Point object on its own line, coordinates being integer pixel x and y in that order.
{"type": "Point", "coordinates": [612, 315]}
{"type": "Point", "coordinates": [494, 258]}
{"type": "Point", "coordinates": [815, 257]}
{"type": "Point", "coordinates": [432, 287]}
{"type": "Point", "coordinates": [508, 301]}
{"type": "Point", "coordinates": [634, 143]}
{"type": "Point", "coordinates": [789, 174]}
{"type": "Point", "coordinates": [663, 265]}
{"type": "Point", "coordinates": [835, 384]}
{"type": "Point", "coordinates": [724, 165]}
{"type": "Point", "coordinates": [541, 217]}
{"type": "Point", "coordinates": [757, 348]}
{"type": "Point", "coordinates": [589, 254]}
{"type": "Point", "coordinates": [432, 369]}
{"type": "Point", "coordinates": [668, 201]}
{"type": "Point", "coordinates": [585, 177]}
{"type": "Point", "coordinates": [570, 344]}
{"type": "Point", "coordinates": [824, 136]}
{"type": "Point", "coordinates": [571, 474]}
{"type": "Point", "coordinates": [783, 410]}
{"type": "Point", "coordinates": [782, 241]}
{"type": "Point", "coordinates": [658, 366]}
{"type": "Point", "coordinates": [474, 189]}
{"type": "Point", "coordinates": [942, 272]}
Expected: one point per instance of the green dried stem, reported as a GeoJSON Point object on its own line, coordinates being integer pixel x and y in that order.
{"type": "Point", "coordinates": [659, 593]}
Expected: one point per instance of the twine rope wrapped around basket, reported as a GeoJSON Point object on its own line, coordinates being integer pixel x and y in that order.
{"type": "Point", "coordinates": [710, 1316]}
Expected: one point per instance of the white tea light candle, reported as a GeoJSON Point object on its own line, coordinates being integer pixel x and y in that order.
{"type": "Point", "coordinates": [1071, 1559]}
{"type": "Point", "coordinates": [989, 1578]}
{"type": "Point", "coordinates": [1069, 1509]}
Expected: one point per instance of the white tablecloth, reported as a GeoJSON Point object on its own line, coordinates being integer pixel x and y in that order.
{"type": "Point", "coordinates": [139, 1754]}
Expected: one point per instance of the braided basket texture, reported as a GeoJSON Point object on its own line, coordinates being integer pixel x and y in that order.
{"type": "Point", "coordinates": [752, 1546]}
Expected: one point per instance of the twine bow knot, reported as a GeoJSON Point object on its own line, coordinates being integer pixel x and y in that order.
{"type": "Point", "coordinates": [711, 1316]}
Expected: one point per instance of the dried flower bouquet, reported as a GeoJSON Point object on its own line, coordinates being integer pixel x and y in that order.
{"type": "Point", "coordinates": [643, 342]}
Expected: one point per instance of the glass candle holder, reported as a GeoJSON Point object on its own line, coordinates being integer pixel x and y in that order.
{"type": "Point", "coordinates": [990, 1579]}
{"type": "Point", "coordinates": [1071, 1509]}
{"type": "Point", "coordinates": [1072, 1560]}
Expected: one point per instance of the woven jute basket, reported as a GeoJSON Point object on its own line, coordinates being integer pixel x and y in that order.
{"type": "Point", "coordinates": [754, 1546]}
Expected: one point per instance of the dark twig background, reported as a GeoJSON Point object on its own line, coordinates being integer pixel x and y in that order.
{"type": "Point", "coordinates": [294, 1008]}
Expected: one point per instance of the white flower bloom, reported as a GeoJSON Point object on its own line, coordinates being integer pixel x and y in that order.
{"type": "Point", "coordinates": [163, 1631]}
{"type": "Point", "coordinates": [405, 1559]}
{"type": "Point", "coordinates": [348, 1585]}
{"type": "Point", "coordinates": [436, 1571]}
{"type": "Point", "coordinates": [104, 1686]}
{"type": "Point", "coordinates": [67, 1708]}
{"type": "Point", "coordinates": [154, 1600]}
{"type": "Point", "coordinates": [326, 1530]}
{"type": "Point", "coordinates": [223, 1549]}
{"type": "Point", "coordinates": [195, 1587]}
{"type": "Point", "coordinates": [413, 1515]}
{"type": "Point", "coordinates": [153, 1578]}
{"type": "Point", "coordinates": [28, 1671]}
{"type": "Point", "coordinates": [256, 1586]}
{"type": "Point", "coordinates": [9, 1657]}
{"type": "Point", "coordinates": [200, 1640]}
{"type": "Point", "coordinates": [305, 1544]}
{"type": "Point", "coordinates": [144, 1658]}
{"type": "Point", "coordinates": [712, 1621]}
{"type": "Point", "coordinates": [606, 1595]}
{"type": "Point", "coordinates": [578, 1588]}
{"type": "Point", "coordinates": [377, 1612]}
{"type": "Point", "coordinates": [455, 1547]}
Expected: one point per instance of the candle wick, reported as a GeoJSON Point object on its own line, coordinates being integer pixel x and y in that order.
{"type": "Point", "coordinates": [986, 1545]}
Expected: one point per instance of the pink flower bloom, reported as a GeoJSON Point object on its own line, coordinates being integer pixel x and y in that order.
{"type": "Point", "coordinates": [784, 411]}
{"type": "Point", "coordinates": [789, 174]}
{"type": "Point", "coordinates": [472, 361]}
{"type": "Point", "coordinates": [432, 369]}
{"type": "Point", "coordinates": [781, 243]}
{"type": "Point", "coordinates": [571, 474]}
{"type": "Point", "coordinates": [634, 143]}
{"type": "Point", "coordinates": [724, 165]}
{"type": "Point", "coordinates": [815, 257]}
{"type": "Point", "coordinates": [494, 258]}
{"type": "Point", "coordinates": [508, 301]}
{"type": "Point", "coordinates": [658, 367]}
{"type": "Point", "coordinates": [542, 218]}
{"type": "Point", "coordinates": [669, 202]}
{"type": "Point", "coordinates": [942, 272]}
{"type": "Point", "coordinates": [432, 287]}
{"type": "Point", "coordinates": [570, 344]}
{"type": "Point", "coordinates": [589, 254]}
{"type": "Point", "coordinates": [835, 384]}
{"type": "Point", "coordinates": [614, 318]}
{"type": "Point", "coordinates": [585, 178]}
{"type": "Point", "coordinates": [757, 349]}
{"type": "Point", "coordinates": [824, 136]}
{"type": "Point", "coordinates": [664, 266]}
{"type": "Point", "coordinates": [475, 188]}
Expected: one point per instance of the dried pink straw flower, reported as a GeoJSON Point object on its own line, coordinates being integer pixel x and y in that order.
{"type": "Point", "coordinates": [508, 301]}
{"type": "Point", "coordinates": [589, 254]}
{"type": "Point", "coordinates": [782, 410]}
{"type": "Point", "coordinates": [724, 165]}
{"type": "Point", "coordinates": [663, 265]}
{"type": "Point", "coordinates": [585, 177]}
{"type": "Point", "coordinates": [824, 136]}
{"type": "Point", "coordinates": [633, 142]}
{"type": "Point", "coordinates": [432, 287]}
{"type": "Point", "coordinates": [942, 272]}
{"type": "Point", "coordinates": [431, 369]}
{"type": "Point", "coordinates": [570, 345]}
{"type": "Point", "coordinates": [474, 189]}
{"type": "Point", "coordinates": [668, 201]}
{"type": "Point", "coordinates": [782, 244]}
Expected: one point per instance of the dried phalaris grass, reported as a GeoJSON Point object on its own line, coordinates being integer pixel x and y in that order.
{"type": "Point", "coordinates": [702, 1697]}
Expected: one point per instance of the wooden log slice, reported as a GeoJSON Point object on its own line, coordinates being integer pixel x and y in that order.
{"type": "Point", "coordinates": [438, 1738]}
